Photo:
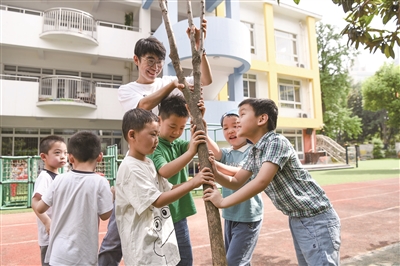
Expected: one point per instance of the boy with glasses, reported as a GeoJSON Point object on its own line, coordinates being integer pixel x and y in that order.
{"type": "Point", "coordinates": [148, 90]}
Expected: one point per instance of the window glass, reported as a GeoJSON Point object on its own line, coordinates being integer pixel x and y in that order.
{"type": "Point", "coordinates": [117, 132]}
{"type": "Point", "coordinates": [47, 71]}
{"type": "Point", "coordinates": [26, 131]}
{"type": "Point", "coordinates": [6, 146]}
{"type": "Point", "coordinates": [25, 146]}
{"type": "Point", "coordinates": [296, 139]}
{"type": "Point", "coordinates": [7, 131]}
{"type": "Point", "coordinates": [250, 26]}
{"type": "Point", "coordinates": [59, 131]}
{"type": "Point", "coordinates": [67, 73]}
{"type": "Point", "coordinates": [45, 131]}
{"type": "Point", "coordinates": [249, 85]}
{"type": "Point", "coordinates": [289, 94]}
{"type": "Point", "coordinates": [286, 47]}
{"type": "Point", "coordinates": [29, 69]}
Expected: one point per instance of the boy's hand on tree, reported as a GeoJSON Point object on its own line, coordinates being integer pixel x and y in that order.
{"type": "Point", "coordinates": [202, 108]}
{"type": "Point", "coordinates": [198, 137]}
{"type": "Point", "coordinates": [213, 195]}
{"type": "Point", "coordinates": [177, 85]}
{"type": "Point", "coordinates": [197, 32]}
{"type": "Point", "coordinates": [211, 158]}
{"type": "Point", "coordinates": [205, 176]}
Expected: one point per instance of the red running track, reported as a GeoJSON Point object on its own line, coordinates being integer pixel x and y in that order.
{"type": "Point", "coordinates": [369, 213]}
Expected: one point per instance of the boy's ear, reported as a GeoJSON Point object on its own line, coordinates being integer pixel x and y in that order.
{"type": "Point", "coordinates": [100, 157]}
{"type": "Point", "coordinates": [42, 156]}
{"type": "Point", "coordinates": [71, 158]}
{"type": "Point", "coordinates": [136, 60]}
{"type": "Point", "coordinates": [131, 134]}
{"type": "Point", "coordinates": [263, 119]}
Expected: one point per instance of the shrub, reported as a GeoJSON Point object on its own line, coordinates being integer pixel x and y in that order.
{"type": "Point", "coordinates": [377, 151]}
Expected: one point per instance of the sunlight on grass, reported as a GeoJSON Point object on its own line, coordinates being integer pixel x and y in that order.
{"type": "Point", "coordinates": [367, 170]}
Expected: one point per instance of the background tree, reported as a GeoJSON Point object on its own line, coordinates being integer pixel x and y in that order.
{"type": "Point", "coordinates": [359, 30]}
{"type": "Point", "coordinates": [334, 60]}
{"type": "Point", "coordinates": [371, 122]}
{"type": "Point", "coordinates": [360, 14]}
{"type": "Point", "coordinates": [381, 92]}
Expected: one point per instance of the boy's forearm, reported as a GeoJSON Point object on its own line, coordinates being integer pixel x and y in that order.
{"type": "Point", "coordinates": [226, 181]}
{"type": "Point", "coordinates": [43, 217]}
{"type": "Point", "coordinates": [248, 191]}
{"type": "Point", "coordinates": [176, 193]}
{"type": "Point", "coordinates": [206, 75]}
{"type": "Point", "coordinates": [227, 169]}
{"type": "Point", "coordinates": [172, 168]}
{"type": "Point", "coordinates": [214, 148]}
{"type": "Point", "coordinates": [152, 100]}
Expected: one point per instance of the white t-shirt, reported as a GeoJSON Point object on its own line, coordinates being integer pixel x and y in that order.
{"type": "Point", "coordinates": [129, 95]}
{"type": "Point", "coordinates": [77, 198]}
{"type": "Point", "coordinates": [42, 184]}
{"type": "Point", "coordinates": [147, 233]}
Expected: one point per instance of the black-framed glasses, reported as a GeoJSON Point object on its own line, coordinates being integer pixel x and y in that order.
{"type": "Point", "coordinates": [151, 61]}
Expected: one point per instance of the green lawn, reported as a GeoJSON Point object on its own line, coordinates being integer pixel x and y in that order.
{"type": "Point", "coordinates": [367, 170]}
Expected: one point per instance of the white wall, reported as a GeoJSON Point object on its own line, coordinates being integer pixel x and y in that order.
{"type": "Point", "coordinates": [254, 14]}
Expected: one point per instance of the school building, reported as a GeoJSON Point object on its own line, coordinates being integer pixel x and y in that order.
{"type": "Point", "coordinates": [62, 63]}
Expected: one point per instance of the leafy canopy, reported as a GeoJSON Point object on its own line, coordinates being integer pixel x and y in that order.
{"type": "Point", "coordinates": [334, 59]}
{"type": "Point", "coordinates": [361, 13]}
{"type": "Point", "coordinates": [382, 92]}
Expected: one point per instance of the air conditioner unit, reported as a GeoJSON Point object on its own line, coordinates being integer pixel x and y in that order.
{"type": "Point", "coordinates": [300, 65]}
{"type": "Point", "coordinates": [305, 115]}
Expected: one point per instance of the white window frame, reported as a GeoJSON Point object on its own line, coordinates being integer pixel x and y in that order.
{"type": "Point", "coordinates": [289, 93]}
{"type": "Point", "coordinates": [249, 82]}
{"type": "Point", "coordinates": [282, 55]}
{"type": "Point", "coordinates": [296, 136]}
{"type": "Point", "coordinates": [250, 26]}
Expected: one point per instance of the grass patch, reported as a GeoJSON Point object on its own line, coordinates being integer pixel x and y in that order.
{"type": "Point", "coordinates": [366, 171]}
{"type": "Point", "coordinates": [16, 210]}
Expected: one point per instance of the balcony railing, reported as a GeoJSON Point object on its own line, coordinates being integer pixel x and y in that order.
{"type": "Point", "coordinates": [67, 88]}
{"type": "Point", "coordinates": [69, 20]}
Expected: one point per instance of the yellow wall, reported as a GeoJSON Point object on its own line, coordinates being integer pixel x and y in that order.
{"type": "Point", "coordinates": [273, 70]}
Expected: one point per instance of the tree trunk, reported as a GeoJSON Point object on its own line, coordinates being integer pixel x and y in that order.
{"type": "Point", "coordinates": [192, 98]}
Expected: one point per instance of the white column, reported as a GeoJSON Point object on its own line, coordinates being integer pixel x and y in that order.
{"type": "Point", "coordinates": [145, 21]}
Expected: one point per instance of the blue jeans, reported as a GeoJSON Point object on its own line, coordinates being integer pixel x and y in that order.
{"type": "Point", "coordinates": [184, 245]}
{"type": "Point", "coordinates": [317, 239]}
{"type": "Point", "coordinates": [110, 252]}
{"type": "Point", "coordinates": [240, 241]}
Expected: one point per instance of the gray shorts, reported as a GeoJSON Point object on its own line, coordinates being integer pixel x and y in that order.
{"type": "Point", "coordinates": [317, 239]}
{"type": "Point", "coordinates": [43, 250]}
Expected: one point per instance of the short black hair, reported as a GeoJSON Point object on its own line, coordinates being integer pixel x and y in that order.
{"type": "Point", "coordinates": [173, 105]}
{"type": "Point", "coordinates": [85, 146]}
{"type": "Point", "coordinates": [150, 45]}
{"type": "Point", "coordinates": [47, 142]}
{"type": "Point", "coordinates": [264, 106]}
{"type": "Point", "coordinates": [136, 119]}
{"type": "Point", "coordinates": [228, 114]}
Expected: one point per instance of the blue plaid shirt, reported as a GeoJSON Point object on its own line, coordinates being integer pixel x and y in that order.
{"type": "Point", "coordinates": [292, 190]}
